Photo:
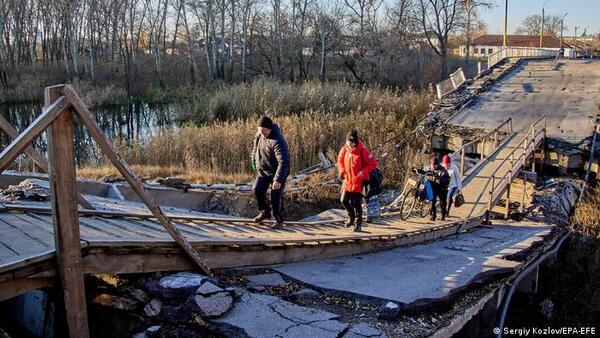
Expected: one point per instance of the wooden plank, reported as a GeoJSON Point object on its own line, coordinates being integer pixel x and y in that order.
{"type": "Point", "coordinates": [23, 141]}
{"type": "Point", "coordinates": [16, 287]}
{"type": "Point", "coordinates": [18, 240]}
{"type": "Point", "coordinates": [6, 252]}
{"type": "Point", "coordinates": [40, 233]}
{"type": "Point", "coordinates": [155, 260]}
{"type": "Point", "coordinates": [65, 219]}
{"type": "Point", "coordinates": [209, 220]}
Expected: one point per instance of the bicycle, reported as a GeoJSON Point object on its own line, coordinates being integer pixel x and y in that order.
{"type": "Point", "coordinates": [416, 197]}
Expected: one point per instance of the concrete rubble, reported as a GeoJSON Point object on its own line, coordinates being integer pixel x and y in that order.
{"type": "Point", "coordinates": [29, 190]}
{"type": "Point", "coordinates": [363, 330]}
{"type": "Point", "coordinates": [554, 200]}
{"type": "Point", "coordinates": [262, 281]}
{"type": "Point", "coordinates": [213, 305]}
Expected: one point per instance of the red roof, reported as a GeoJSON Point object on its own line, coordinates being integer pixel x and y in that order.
{"type": "Point", "coordinates": [517, 41]}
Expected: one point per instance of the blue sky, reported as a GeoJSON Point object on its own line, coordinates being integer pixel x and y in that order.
{"type": "Point", "coordinates": [582, 13]}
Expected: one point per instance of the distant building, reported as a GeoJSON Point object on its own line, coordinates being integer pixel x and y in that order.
{"type": "Point", "coordinates": [485, 45]}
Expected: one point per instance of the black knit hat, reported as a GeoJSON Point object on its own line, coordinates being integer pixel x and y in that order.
{"type": "Point", "coordinates": [352, 136]}
{"type": "Point", "coordinates": [265, 122]}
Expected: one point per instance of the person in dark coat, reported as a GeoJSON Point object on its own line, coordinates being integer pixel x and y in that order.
{"type": "Point", "coordinates": [271, 160]}
{"type": "Point", "coordinates": [439, 184]}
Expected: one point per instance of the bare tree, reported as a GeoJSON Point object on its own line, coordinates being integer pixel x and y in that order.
{"type": "Point", "coordinates": [327, 29]}
{"type": "Point", "coordinates": [470, 11]}
{"type": "Point", "coordinates": [531, 25]}
{"type": "Point", "coordinates": [437, 19]}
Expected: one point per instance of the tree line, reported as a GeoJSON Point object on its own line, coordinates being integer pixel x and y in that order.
{"type": "Point", "coordinates": [192, 41]}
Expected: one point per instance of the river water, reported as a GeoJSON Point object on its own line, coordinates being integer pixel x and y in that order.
{"type": "Point", "coordinates": [134, 122]}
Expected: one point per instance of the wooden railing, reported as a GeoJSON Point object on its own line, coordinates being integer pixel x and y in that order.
{"type": "Point", "coordinates": [520, 52]}
{"type": "Point", "coordinates": [496, 185]}
{"type": "Point", "coordinates": [62, 104]}
{"type": "Point", "coordinates": [492, 136]}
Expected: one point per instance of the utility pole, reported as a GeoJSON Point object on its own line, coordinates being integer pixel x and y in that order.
{"type": "Point", "coordinates": [542, 27]}
{"type": "Point", "coordinates": [562, 20]}
{"type": "Point", "coordinates": [505, 23]}
{"type": "Point", "coordinates": [575, 41]}
{"type": "Point", "coordinates": [542, 30]}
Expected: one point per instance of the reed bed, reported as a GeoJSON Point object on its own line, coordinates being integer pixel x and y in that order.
{"type": "Point", "coordinates": [314, 118]}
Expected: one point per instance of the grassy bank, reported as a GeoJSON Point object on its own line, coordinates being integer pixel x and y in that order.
{"type": "Point", "coordinates": [314, 118]}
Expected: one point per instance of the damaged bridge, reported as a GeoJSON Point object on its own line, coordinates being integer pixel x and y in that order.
{"type": "Point", "coordinates": [45, 244]}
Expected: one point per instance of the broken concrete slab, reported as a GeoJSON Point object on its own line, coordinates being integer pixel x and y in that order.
{"type": "Point", "coordinates": [214, 305]}
{"type": "Point", "coordinates": [208, 288]}
{"type": "Point", "coordinates": [152, 309]}
{"type": "Point", "coordinates": [389, 311]}
{"type": "Point", "coordinates": [148, 333]}
{"type": "Point", "coordinates": [175, 314]}
{"type": "Point", "coordinates": [259, 282]}
{"type": "Point", "coordinates": [448, 270]}
{"type": "Point", "coordinates": [304, 294]}
{"type": "Point", "coordinates": [257, 315]}
{"type": "Point", "coordinates": [329, 328]}
{"type": "Point", "coordinates": [179, 285]}
{"type": "Point", "coordinates": [362, 330]}
{"type": "Point", "coordinates": [133, 292]}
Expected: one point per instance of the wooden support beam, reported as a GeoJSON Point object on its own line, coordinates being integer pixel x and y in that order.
{"type": "Point", "coordinates": [510, 178]}
{"type": "Point", "coordinates": [86, 118]}
{"type": "Point", "coordinates": [483, 149]}
{"type": "Point", "coordinates": [533, 146]}
{"type": "Point", "coordinates": [12, 134]}
{"type": "Point", "coordinates": [38, 158]}
{"type": "Point", "coordinates": [19, 286]}
{"type": "Point", "coordinates": [65, 220]}
{"type": "Point", "coordinates": [522, 206]}
{"type": "Point", "coordinates": [462, 162]}
{"type": "Point", "coordinates": [23, 141]}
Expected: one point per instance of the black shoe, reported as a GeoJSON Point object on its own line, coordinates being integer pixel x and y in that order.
{"type": "Point", "coordinates": [263, 215]}
{"type": "Point", "coordinates": [349, 222]}
{"type": "Point", "coordinates": [432, 219]}
{"type": "Point", "coordinates": [358, 226]}
{"type": "Point", "coordinates": [443, 218]}
{"type": "Point", "coordinates": [278, 223]}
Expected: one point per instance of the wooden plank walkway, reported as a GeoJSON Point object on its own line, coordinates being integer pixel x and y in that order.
{"type": "Point", "coordinates": [136, 244]}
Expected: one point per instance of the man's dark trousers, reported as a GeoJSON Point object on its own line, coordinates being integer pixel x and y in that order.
{"type": "Point", "coordinates": [261, 185]}
{"type": "Point", "coordinates": [441, 192]}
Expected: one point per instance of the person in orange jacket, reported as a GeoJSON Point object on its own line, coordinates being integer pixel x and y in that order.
{"type": "Point", "coordinates": [355, 163]}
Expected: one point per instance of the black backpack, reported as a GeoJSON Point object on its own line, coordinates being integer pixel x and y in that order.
{"type": "Point", "coordinates": [375, 181]}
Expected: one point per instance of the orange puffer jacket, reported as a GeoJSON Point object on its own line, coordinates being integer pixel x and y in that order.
{"type": "Point", "coordinates": [355, 165]}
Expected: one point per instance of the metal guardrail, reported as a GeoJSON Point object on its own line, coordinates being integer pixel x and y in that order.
{"type": "Point", "coordinates": [528, 145]}
{"type": "Point", "coordinates": [452, 83]}
{"type": "Point", "coordinates": [521, 52]}
{"type": "Point", "coordinates": [493, 135]}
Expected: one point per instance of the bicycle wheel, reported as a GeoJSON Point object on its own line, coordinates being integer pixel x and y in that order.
{"type": "Point", "coordinates": [408, 204]}
{"type": "Point", "coordinates": [425, 208]}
